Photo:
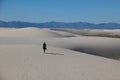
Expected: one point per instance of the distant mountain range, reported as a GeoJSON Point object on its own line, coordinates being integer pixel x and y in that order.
{"type": "Point", "coordinates": [80, 25]}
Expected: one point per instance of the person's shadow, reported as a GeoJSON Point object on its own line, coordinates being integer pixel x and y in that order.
{"type": "Point", "coordinates": [54, 53]}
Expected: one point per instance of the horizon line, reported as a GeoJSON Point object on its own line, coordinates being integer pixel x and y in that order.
{"type": "Point", "coordinates": [60, 22]}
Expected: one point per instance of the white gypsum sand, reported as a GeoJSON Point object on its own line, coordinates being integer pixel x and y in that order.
{"type": "Point", "coordinates": [22, 58]}
{"type": "Point", "coordinates": [115, 33]}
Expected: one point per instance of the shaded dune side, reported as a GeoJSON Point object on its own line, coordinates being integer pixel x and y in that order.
{"type": "Point", "coordinates": [105, 47]}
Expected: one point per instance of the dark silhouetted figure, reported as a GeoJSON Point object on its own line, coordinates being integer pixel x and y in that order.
{"type": "Point", "coordinates": [44, 47]}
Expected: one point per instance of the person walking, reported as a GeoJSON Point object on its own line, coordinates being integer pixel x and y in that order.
{"type": "Point", "coordinates": [44, 47]}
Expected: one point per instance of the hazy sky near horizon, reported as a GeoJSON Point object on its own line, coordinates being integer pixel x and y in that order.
{"type": "Point", "coordinates": [94, 11]}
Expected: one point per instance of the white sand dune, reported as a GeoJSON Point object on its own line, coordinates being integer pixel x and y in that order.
{"type": "Point", "coordinates": [106, 47]}
{"type": "Point", "coordinates": [97, 32]}
{"type": "Point", "coordinates": [22, 58]}
{"type": "Point", "coordinates": [28, 32]}
{"type": "Point", "coordinates": [101, 46]}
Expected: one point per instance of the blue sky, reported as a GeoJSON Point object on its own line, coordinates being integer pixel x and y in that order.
{"type": "Point", "coordinates": [94, 11]}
